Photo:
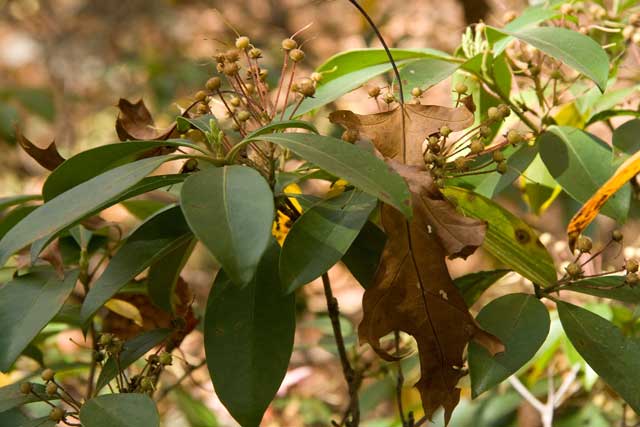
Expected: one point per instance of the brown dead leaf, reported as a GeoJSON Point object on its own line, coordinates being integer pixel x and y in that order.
{"type": "Point", "coordinates": [629, 169]}
{"type": "Point", "coordinates": [49, 158]}
{"type": "Point", "coordinates": [414, 293]}
{"type": "Point", "coordinates": [154, 317]}
{"type": "Point", "coordinates": [385, 129]}
{"type": "Point", "coordinates": [134, 122]}
{"type": "Point", "coordinates": [459, 235]}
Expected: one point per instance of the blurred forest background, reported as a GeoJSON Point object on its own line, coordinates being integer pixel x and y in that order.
{"type": "Point", "coordinates": [65, 63]}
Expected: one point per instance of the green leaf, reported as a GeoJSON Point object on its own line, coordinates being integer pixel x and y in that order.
{"type": "Point", "coordinates": [202, 123]}
{"type": "Point", "coordinates": [360, 168]}
{"type": "Point", "coordinates": [578, 51]}
{"type": "Point", "coordinates": [196, 412]}
{"type": "Point", "coordinates": [120, 410]}
{"type": "Point", "coordinates": [13, 217]}
{"type": "Point", "coordinates": [7, 202]}
{"type": "Point", "coordinates": [517, 163]}
{"type": "Point", "coordinates": [248, 336]}
{"type": "Point", "coordinates": [522, 323]}
{"type": "Point", "coordinates": [75, 204]}
{"type": "Point", "coordinates": [575, 159]}
{"type": "Point", "coordinates": [347, 71]}
{"type": "Point", "coordinates": [609, 114]}
{"type": "Point", "coordinates": [91, 163]}
{"type": "Point", "coordinates": [472, 285]}
{"type": "Point", "coordinates": [151, 241]}
{"type": "Point", "coordinates": [346, 63]}
{"type": "Point", "coordinates": [133, 350]}
{"type": "Point", "coordinates": [231, 210]}
{"type": "Point", "coordinates": [164, 273]}
{"type": "Point", "coordinates": [530, 17]}
{"type": "Point", "coordinates": [424, 73]}
{"type": "Point", "coordinates": [143, 209]}
{"type": "Point", "coordinates": [11, 397]}
{"type": "Point", "coordinates": [321, 237]}
{"type": "Point", "coordinates": [625, 141]}
{"type": "Point", "coordinates": [363, 256]}
{"type": "Point", "coordinates": [612, 355]}
{"type": "Point", "coordinates": [508, 238]}
{"type": "Point", "coordinates": [610, 287]}
{"type": "Point", "coordinates": [287, 124]}
{"type": "Point", "coordinates": [37, 422]}
{"type": "Point", "coordinates": [27, 304]}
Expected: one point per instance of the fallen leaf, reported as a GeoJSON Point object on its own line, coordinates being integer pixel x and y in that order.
{"type": "Point", "coordinates": [459, 235]}
{"type": "Point", "coordinates": [385, 129]}
{"type": "Point", "coordinates": [134, 122]}
{"type": "Point", "coordinates": [49, 158]}
{"type": "Point", "coordinates": [414, 293]}
{"type": "Point", "coordinates": [154, 317]}
{"type": "Point", "coordinates": [125, 309]}
{"type": "Point", "coordinates": [590, 209]}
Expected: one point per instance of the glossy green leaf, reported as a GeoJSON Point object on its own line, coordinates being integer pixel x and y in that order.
{"type": "Point", "coordinates": [196, 412]}
{"type": "Point", "coordinates": [11, 397]}
{"type": "Point", "coordinates": [347, 161]}
{"type": "Point", "coordinates": [612, 355]}
{"type": "Point", "coordinates": [363, 256]}
{"type": "Point", "coordinates": [575, 160]}
{"type": "Point", "coordinates": [231, 210]}
{"type": "Point", "coordinates": [152, 240]}
{"type": "Point", "coordinates": [120, 410]}
{"type": "Point", "coordinates": [164, 273]}
{"type": "Point", "coordinates": [75, 204]}
{"type": "Point", "coordinates": [472, 285]}
{"type": "Point", "coordinates": [578, 51]}
{"type": "Point", "coordinates": [508, 238]}
{"type": "Point", "coordinates": [321, 236]}
{"type": "Point", "coordinates": [610, 287]}
{"type": "Point", "coordinates": [517, 163]}
{"type": "Point", "coordinates": [248, 336]}
{"type": "Point", "coordinates": [133, 350]}
{"type": "Point", "coordinates": [91, 163]}
{"type": "Point", "coordinates": [522, 323]}
{"type": "Point", "coordinates": [27, 304]}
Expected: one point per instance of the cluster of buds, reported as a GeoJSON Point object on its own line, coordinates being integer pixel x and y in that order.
{"type": "Point", "coordinates": [631, 267]}
{"type": "Point", "coordinates": [110, 345]}
{"type": "Point", "coordinates": [53, 391]}
{"type": "Point", "coordinates": [440, 150]}
{"type": "Point", "coordinates": [146, 381]}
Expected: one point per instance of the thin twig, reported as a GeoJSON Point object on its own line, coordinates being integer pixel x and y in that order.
{"type": "Point", "coordinates": [347, 370]}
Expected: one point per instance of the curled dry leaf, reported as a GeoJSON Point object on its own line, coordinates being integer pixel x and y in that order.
{"type": "Point", "coordinates": [627, 171]}
{"type": "Point", "coordinates": [154, 317]}
{"type": "Point", "coordinates": [49, 158]}
{"type": "Point", "coordinates": [134, 122]}
{"type": "Point", "coordinates": [384, 129]}
{"type": "Point", "coordinates": [413, 292]}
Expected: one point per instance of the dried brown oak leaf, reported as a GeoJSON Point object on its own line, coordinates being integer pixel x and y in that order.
{"type": "Point", "coordinates": [413, 292]}
{"type": "Point", "coordinates": [134, 122]}
{"type": "Point", "coordinates": [49, 158]}
{"type": "Point", "coordinates": [385, 129]}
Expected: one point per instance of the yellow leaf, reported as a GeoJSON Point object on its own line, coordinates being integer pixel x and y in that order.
{"type": "Point", "coordinates": [125, 309]}
{"type": "Point", "coordinates": [588, 212]}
